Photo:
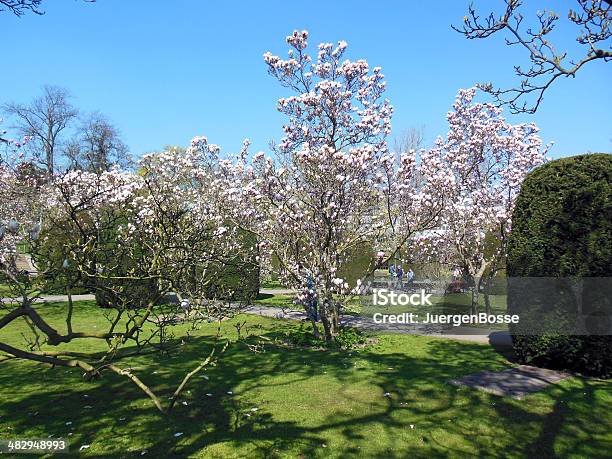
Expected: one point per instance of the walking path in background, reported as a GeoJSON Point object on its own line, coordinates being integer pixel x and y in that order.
{"type": "Point", "coordinates": [475, 335]}
{"type": "Point", "coordinates": [54, 298]}
{"type": "Point", "coordinates": [276, 291]}
{"type": "Point", "coordinates": [90, 297]}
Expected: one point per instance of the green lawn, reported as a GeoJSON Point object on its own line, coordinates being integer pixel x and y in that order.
{"type": "Point", "coordinates": [271, 284]}
{"type": "Point", "coordinates": [453, 303]}
{"type": "Point", "coordinates": [4, 290]}
{"type": "Point", "coordinates": [290, 402]}
{"type": "Point", "coordinates": [277, 301]}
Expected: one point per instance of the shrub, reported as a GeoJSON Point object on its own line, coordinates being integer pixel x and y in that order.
{"type": "Point", "coordinates": [112, 293]}
{"type": "Point", "coordinates": [55, 278]}
{"type": "Point", "coordinates": [237, 279]}
{"type": "Point", "coordinates": [49, 256]}
{"type": "Point", "coordinates": [348, 338]}
{"type": "Point", "coordinates": [351, 338]}
{"type": "Point", "coordinates": [358, 261]}
{"type": "Point", "coordinates": [562, 228]}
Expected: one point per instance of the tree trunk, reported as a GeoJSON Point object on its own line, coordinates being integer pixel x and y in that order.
{"type": "Point", "coordinates": [474, 305]}
{"type": "Point", "coordinates": [476, 281]}
{"type": "Point", "coordinates": [330, 317]}
{"type": "Point", "coordinates": [486, 290]}
{"type": "Point", "coordinates": [335, 319]}
{"type": "Point", "coordinates": [315, 329]}
{"type": "Point", "coordinates": [326, 323]}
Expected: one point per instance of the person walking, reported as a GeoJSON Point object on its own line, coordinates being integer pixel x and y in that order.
{"type": "Point", "coordinates": [400, 277]}
{"type": "Point", "coordinates": [391, 280]}
{"type": "Point", "coordinates": [410, 277]}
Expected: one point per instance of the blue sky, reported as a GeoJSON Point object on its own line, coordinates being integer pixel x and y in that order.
{"type": "Point", "coordinates": [165, 71]}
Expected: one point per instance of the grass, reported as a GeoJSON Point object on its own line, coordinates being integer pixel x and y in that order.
{"type": "Point", "coordinates": [300, 402]}
{"type": "Point", "coordinates": [5, 290]}
{"type": "Point", "coordinates": [271, 284]}
{"type": "Point", "coordinates": [276, 301]}
{"type": "Point", "coordinates": [453, 303]}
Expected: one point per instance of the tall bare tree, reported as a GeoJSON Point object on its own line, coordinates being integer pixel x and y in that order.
{"type": "Point", "coordinates": [97, 146]}
{"type": "Point", "coordinates": [410, 139]}
{"type": "Point", "coordinates": [593, 20]}
{"type": "Point", "coordinates": [43, 122]}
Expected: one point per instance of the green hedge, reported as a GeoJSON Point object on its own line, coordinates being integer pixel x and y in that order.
{"type": "Point", "coordinates": [562, 228]}
{"type": "Point", "coordinates": [238, 279]}
{"type": "Point", "coordinates": [49, 253]}
{"type": "Point", "coordinates": [358, 261]}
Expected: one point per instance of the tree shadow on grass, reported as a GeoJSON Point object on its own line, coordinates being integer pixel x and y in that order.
{"type": "Point", "coordinates": [355, 417]}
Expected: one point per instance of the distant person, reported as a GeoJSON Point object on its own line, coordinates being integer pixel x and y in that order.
{"type": "Point", "coordinates": [185, 306]}
{"type": "Point", "coordinates": [410, 277]}
{"type": "Point", "coordinates": [457, 284]}
{"type": "Point", "coordinates": [400, 277]}
{"type": "Point", "coordinates": [391, 280]}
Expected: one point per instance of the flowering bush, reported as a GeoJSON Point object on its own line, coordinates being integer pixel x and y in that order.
{"type": "Point", "coordinates": [118, 229]}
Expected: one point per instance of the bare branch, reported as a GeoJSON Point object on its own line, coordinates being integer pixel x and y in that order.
{"type": "Point", "coordinates": [594, 19]}
{"type": "Point", "coordinates": [43, 121]}
{"type": "Point", "coordinates": [19, 7]}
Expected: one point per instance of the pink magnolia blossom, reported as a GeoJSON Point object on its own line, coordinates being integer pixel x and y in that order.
{"type": "Point", "coordinates": [481, 162]}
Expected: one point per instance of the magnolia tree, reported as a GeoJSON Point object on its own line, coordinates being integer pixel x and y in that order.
{"type": "Point", "coordinates": [333, 184]}
{"type": "Point", "coordinates": [158, 227]}
{"type": "Point", "coordinates": [485, 160]}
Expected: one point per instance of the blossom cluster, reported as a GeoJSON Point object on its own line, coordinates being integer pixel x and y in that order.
{"type": "Point", "coordinates": [337, 102]}
{"type": "Point", "coordinates": [483, 161]}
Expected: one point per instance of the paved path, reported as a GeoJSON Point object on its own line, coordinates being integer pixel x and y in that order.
{"type": "Point", "coordinates": [513, 382]}
{"type": "Point", "coordinates": [476, 335]}
{"type": "Point", "coordinates": [276, 291]}
{"type": "Point", "coordinates": [53, 298]}
{"type": "Point", "coordinates": [90, 297]}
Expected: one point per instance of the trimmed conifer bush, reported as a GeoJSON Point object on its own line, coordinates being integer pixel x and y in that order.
{"type": "Point", "coordinates": [562, 228]}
